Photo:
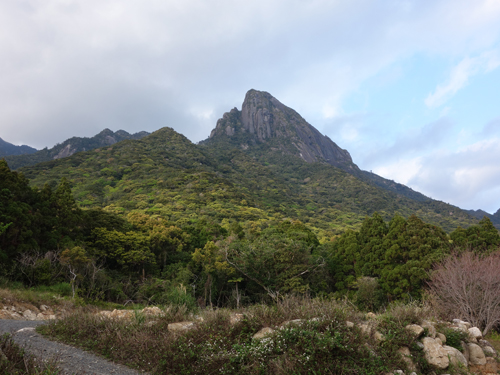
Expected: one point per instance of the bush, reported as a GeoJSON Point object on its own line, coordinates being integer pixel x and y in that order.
{"type": "Point", "coordinates": [467, 286]}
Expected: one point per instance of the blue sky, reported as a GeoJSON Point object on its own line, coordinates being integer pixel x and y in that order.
{"type": "Point", "coordinates": [410, 88]}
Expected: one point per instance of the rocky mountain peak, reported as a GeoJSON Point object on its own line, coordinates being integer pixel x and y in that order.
{"type": "Point", "coordinates": [264, 118]}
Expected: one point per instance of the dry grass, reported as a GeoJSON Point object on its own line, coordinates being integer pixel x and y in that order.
{"type": "Point", "coordinates": [320, 346]}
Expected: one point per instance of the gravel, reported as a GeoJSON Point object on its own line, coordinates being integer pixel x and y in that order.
{"type": "Point", "coordinates": [71, 360]}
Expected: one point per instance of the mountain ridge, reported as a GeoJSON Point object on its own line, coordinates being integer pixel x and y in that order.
{"type": "Point", "coordinates": [7, 149]}
{"type": "Point", "coordinates": [71, 146]}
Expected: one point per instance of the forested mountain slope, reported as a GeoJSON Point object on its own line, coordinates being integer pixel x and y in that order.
{"type": "Point", "coordinates": [165, 174]}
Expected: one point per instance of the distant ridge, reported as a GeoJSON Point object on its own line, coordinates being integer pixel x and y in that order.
{"type": "Point", "coordinates": [71, 146]}
{"type": "Point", "coordinates": [479, 214]}
{"type": "Point", "coordinates": [7, 149]}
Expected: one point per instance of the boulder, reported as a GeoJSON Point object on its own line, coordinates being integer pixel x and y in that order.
{"type": "Point", "coordinates": [458, 321]}
{"type": "Point", "coordinates": [430, 328]}
{"type": "Point", "coordinates": [152, 311]}
{"type": "Point", "coordinates": [441, 337]}
{"type": "Point", "coordinates": [29, 315]}
{"type": "Point", "coordinates": [434, 353]}
{"type": "Point", "coordinates": [489, 351]}
{"type": "Point", "coordinates": [456, 357]}
{"type": "Point", "coordinates": [475, 332]}
{"type": "Point", "coordinates": [294, 322]}
{"type": "Point", "coordinates": [180, 326]}
{"type": "Point", "coordinates": [405, 353]}
{"type": "Point", "coordinates": [465, 351]}
{"type": "Point", "coordinates": [476, 355]}
{"type": "Point", "coordinates": [235, 318]}
{"type": "Point", "coordinates": [416, 329]}
{"type": "Point", "coordinates": [266, 331]}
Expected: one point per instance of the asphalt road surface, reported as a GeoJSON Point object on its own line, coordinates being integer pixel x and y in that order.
{"type": "Point", "coordinates": [71, 360]}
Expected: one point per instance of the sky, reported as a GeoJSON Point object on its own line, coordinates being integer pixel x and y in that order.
{"type": "Point", "coordinates": [410, 88]}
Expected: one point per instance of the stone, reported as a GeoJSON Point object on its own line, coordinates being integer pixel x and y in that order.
{"type": "Point", "coordinates": [349, 324]}
{"type": "Point", "coordinates": [416, 329]}
{"type": "Point", "coordinates": [456, 357]}
{"type": "Point", "coordinates": [292, 322]}
{"type": "Point", "coordinates": [29, 315]}
{"type": "Point", "coordinates": [465, 351]}
{"type": "Point", "coordinates": [489, 351]}
{"type": "Point", "coordinates": [152, 311]}
{"type": "Point", "coordinates": [405, 353]}
{"type": "Point", "coordinates": [180, 326]}
{"type": "Point", "coordinates": [435, 354]}
{"type": "Point", "coordinates": [266, 331]}
{"type": "Point", "coordinates": [235, 318]}
{"type": "Point", "coordinates": [476, 355]}
{"type": "Point", "coordinates": [371, 315]}
{"type": "Point", "coordinates": [475, 332]}
{"type": "Point", "coordinates": [441, 337]}
{"type": "Point", "coordinates": [458, 321]}
{"type": "Point", "coordinates": [430, 328]}
{"type": "Point", "coordinates": [438, 340]}
{"type": "Point", "coordinates": [490, 367]}
{"type": "Point", "coordinates": [44, 307]}
{"type": "Point", "coordinates": [365, 328]}
{"type": "Point", "coordinates": [378, 336]}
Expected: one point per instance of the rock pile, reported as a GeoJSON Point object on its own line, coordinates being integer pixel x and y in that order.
{"type": "Point", "coordinates": [476, 354]}
{"type": "Point", "coordinates": [29, 312]}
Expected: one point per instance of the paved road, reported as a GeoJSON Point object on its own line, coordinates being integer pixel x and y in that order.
{"type": "Point", "coordinates": [71, 360]}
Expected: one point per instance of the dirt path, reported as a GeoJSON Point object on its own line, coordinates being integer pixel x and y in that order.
{"type": "Point", "coordinates": [71, 360]}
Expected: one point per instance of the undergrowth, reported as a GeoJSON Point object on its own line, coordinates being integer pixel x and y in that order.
{"type": "Point", "coordinates": [321, 343]}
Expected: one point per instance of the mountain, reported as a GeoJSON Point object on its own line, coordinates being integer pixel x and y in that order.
{"type": "Point", "coordinates": [7, 149]}
{"type": "Point", "coordinates": [264, 121]}
{"type": "Point", "coordinates": [260, 164]}
{"type": "Point", "coordinates": [72, 146]}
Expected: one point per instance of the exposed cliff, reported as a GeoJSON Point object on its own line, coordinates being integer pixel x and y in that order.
{"type": "Point", "coordinates": [263, 119]}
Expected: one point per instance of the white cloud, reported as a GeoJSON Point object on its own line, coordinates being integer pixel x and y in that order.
{"type": "Point", "coordinates": [73, 67]}
{"type": "Point", "coordinates": [469, 177]}
{"type": "Point", "coordinates": [460, 74]}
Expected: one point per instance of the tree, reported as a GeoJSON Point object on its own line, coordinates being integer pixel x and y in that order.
{"type": "Point", "coordinates": [468, 287]}
{"type": "Point", "coordinates": [483, 237]}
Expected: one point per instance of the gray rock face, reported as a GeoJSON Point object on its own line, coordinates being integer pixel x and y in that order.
{"type": "Point", "coordinates": [263, 118]}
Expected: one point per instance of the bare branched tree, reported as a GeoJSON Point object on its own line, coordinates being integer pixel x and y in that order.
{"type": "Point", "coordinates": [467, 285]}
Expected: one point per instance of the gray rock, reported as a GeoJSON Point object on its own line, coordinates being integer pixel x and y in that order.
{"type": "Point", "coordinates": [475, 332]}
{"type": "Point", "coordinates": [430, 328]}
{"type": "Point", "coordinates": [435, 354]}
{"type": "Point", "coordinates": [180, 326]}
{"type": "Point", "coordinates": [416, 329]}
{"type": "Point", "coordinates": [476, 355]}
{"type": "Point", "coordinates": [441, 337]}
{"type": "Point", "coordinates": [264, 332]}
{"type": "Point", "coordinates": [456, 357]}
